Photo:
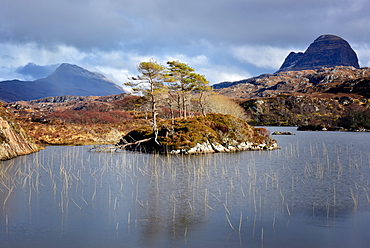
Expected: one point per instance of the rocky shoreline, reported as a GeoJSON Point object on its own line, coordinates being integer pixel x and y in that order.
{"type": "Point", "coordinates": [327, 128]}
{"type": "Point", "coordinates": [14, 141]}
{"type": "Point", "coordinates": [148, 146]}
{"type": "Point", "coordinates": [217, 148]}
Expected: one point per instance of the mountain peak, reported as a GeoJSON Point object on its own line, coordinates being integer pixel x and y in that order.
{"type": "Point", "coordinates": [70, 67]}
{"type": "Point", "coordinates": [326, 51]}
{"type": "Point", "coordinates": [331, 37]}
{"type": "Point", "coordinates": [74, 70]}
{"type": "Point", "coordinates": [67, 79]}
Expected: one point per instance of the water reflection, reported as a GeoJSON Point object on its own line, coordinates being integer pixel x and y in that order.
{"type": "Point", "coordinates": [317, 184]}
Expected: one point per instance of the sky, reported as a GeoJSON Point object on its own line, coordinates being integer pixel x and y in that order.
{"type": "Point", "coordinates": [225, 40]}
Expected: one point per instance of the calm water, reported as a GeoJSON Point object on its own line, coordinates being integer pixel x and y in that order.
{"type": "Point", "coordinates": [313, 192]}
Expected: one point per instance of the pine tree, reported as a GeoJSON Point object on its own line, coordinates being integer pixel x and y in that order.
{"type": "Point", "coordinates": [150, 84]}
{"type": "Point", "coordinates": [183, 80]}
{"type": "Point", "coordinates": [201, 87]}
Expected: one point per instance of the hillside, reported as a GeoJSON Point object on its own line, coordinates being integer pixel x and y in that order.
{"type": "Point", "coordinates": [335, 98]}
{"type": "Point", "coordinates": [76, 109]}
{"type": "Point", "coordinates": [67, 79]}
{"type": "Point", "coordinates": [338, 80]}
{"type": "Point", "coordinates": [78, 120]}
{"type": "Point", "coordinates": [331, 113]}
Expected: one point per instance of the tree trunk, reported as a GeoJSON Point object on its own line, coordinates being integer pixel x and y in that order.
{"type": "Point", "coordinates": [154, 114]}
{"type": "Point", "coordinates": [171, 112]}
{"type": "Point", "coordinates": [184, 105]}
{"type": "Point", "coordinates": [201, 103]}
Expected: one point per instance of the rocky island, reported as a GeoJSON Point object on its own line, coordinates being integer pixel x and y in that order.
{"type": "Point", "coordinates": [204, 134]}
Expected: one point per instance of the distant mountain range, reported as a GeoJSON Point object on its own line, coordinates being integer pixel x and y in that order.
{"type": "Point", "coordinates": [67, 79]}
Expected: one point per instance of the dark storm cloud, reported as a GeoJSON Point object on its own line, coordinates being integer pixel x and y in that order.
{"type": "Point", "coordinates": [90, 23]}
{"type": "Point", "coordinates": [79, 23]}
{"type": "Point", "coordinates": [241, 37]}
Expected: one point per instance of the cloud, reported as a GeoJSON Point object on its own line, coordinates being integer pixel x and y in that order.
{"type": "Point", "coordinates": [117, 65]}
{"type": "Point", "coordinates": [262, 56]}
{"type": "Point", "coordinates": [82, 23]}
{"type": "Point", "coordinates": [147, 24]}
{"type": "Point", "coordinates": [32, 71]}
{"type": "Point", "coordinates": [220, 39]}
{"type": "Point", "coordinates": [16, 56]}
{"type": "Point", "coordinates": [363, 54]}
{"type": "Point", "coordinates": [22, 54]}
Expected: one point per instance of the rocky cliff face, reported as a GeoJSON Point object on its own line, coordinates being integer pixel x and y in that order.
{"type": "Point", "coordinates": [325, 51]}
{"type": "Point", "coordinates": [13, 140]}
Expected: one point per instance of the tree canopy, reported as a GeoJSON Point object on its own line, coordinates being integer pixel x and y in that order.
{"type": "Point", "coordinates": [183, 81]}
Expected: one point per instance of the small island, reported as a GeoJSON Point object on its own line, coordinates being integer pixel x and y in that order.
{"type": "Point", "coordinates": [282, 133]}
{"type": "Point", "coordinates": [212, 133]}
